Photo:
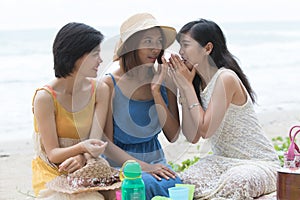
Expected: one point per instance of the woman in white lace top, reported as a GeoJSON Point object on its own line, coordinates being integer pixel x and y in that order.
{"type": "Point", "coordinates": [217, 105]}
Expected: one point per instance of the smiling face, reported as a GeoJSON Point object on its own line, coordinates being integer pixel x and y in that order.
{"type": "Point", "coordinates": [191, 51]}
{"type": "Point", "coordinates": [150, 45]}
{"type": "Point", "coordinates": [87, 65]}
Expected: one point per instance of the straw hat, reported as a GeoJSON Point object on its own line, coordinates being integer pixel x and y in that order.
{"type": "Point", "coordinates": [140, 22]}
{"type": "Point", "coordinates": [94, 176]}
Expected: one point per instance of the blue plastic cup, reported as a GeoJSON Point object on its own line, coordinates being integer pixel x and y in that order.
{"type": "Point", "coordinates": [179, 193]}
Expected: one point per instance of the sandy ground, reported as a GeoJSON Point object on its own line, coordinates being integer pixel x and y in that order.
{"type": "Point", "coordinates": [16, 156]}
{"type": "Point", "coordinates": [15, 169]}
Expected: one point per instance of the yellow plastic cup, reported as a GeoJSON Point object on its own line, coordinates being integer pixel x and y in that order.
{"type": "Point", "coordinates": [190, 187]}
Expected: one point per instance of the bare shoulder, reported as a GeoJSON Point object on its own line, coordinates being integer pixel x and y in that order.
{"type": "Point", "coordinates": [42, 96]}
{"type": "Point", "coordinates": [102, 86]}
{"type": "Point", "coordinates": [235, 93]}
{"type": "Point", "coordinates": [42, 101]}
{"type": "Point", "coordinates": [228, 78]}
{"type": "Point", "coordinates": [108, 79]}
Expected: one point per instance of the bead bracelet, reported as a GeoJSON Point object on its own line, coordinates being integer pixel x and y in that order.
{"type": "Point", "coordinates": [194, 105]}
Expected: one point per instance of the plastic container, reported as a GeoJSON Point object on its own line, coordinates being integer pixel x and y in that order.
{"type": "Point", "coordinates": [179, 193]}
{"type": "Point", "coordinates": [190, 187]}
{"type": "Point", "coordinates": [133, 187]}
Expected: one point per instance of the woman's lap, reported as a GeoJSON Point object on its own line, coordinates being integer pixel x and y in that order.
{"type": "Point", "coordinates": [158, 188]}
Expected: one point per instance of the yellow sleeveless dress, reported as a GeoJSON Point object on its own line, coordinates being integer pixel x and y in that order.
{"type": "Point", "coordinates": [72, 127]}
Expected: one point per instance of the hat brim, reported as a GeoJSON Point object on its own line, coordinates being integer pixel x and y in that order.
{"type": "Point", "coordinates": [60, 184]}
{"type": "Point", "coordinates": [169, 34]}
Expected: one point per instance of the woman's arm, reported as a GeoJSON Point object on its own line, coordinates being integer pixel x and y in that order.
{"type": "Point", "coordinates": [45, 117]}
{"type": "Point", "coordinates": [101, 109]}
{"type": "Point", "coordinates": [100, 115]}
{"type": "Point", "coordinates": [168, 115]}
{"type": "Point", "coordinates": [206, 122]}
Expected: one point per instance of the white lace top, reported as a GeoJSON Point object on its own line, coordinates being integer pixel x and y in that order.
{"type": "Point", "coordinates": [244, 163]}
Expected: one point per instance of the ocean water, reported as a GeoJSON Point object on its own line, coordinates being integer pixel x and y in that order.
{"type": "Point", "coordinates": [268, 52]}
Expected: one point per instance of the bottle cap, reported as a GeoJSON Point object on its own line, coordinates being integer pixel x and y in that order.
{"type": "Point", "coordinates": [132, 169]}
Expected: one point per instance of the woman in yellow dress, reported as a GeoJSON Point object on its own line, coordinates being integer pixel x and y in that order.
{"type": "Point", "coordinates": [70, 111]}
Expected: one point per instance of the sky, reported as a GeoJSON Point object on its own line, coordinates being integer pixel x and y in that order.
{"type": "Point", "coordinates": [27, 14]}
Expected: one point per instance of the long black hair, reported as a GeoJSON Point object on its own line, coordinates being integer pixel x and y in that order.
{"type": "Point", "coordinates": [204, 31]}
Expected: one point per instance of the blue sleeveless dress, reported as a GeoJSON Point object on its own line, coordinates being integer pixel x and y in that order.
{"type": "Point", "coordinates": [136, 128]}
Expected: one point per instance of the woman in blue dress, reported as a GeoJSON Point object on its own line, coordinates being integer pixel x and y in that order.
{"type": "Point", "coordinates": [143, 102]}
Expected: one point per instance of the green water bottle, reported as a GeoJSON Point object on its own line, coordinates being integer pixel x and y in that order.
{"type": "Point", "coordinates": [133, 187]}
